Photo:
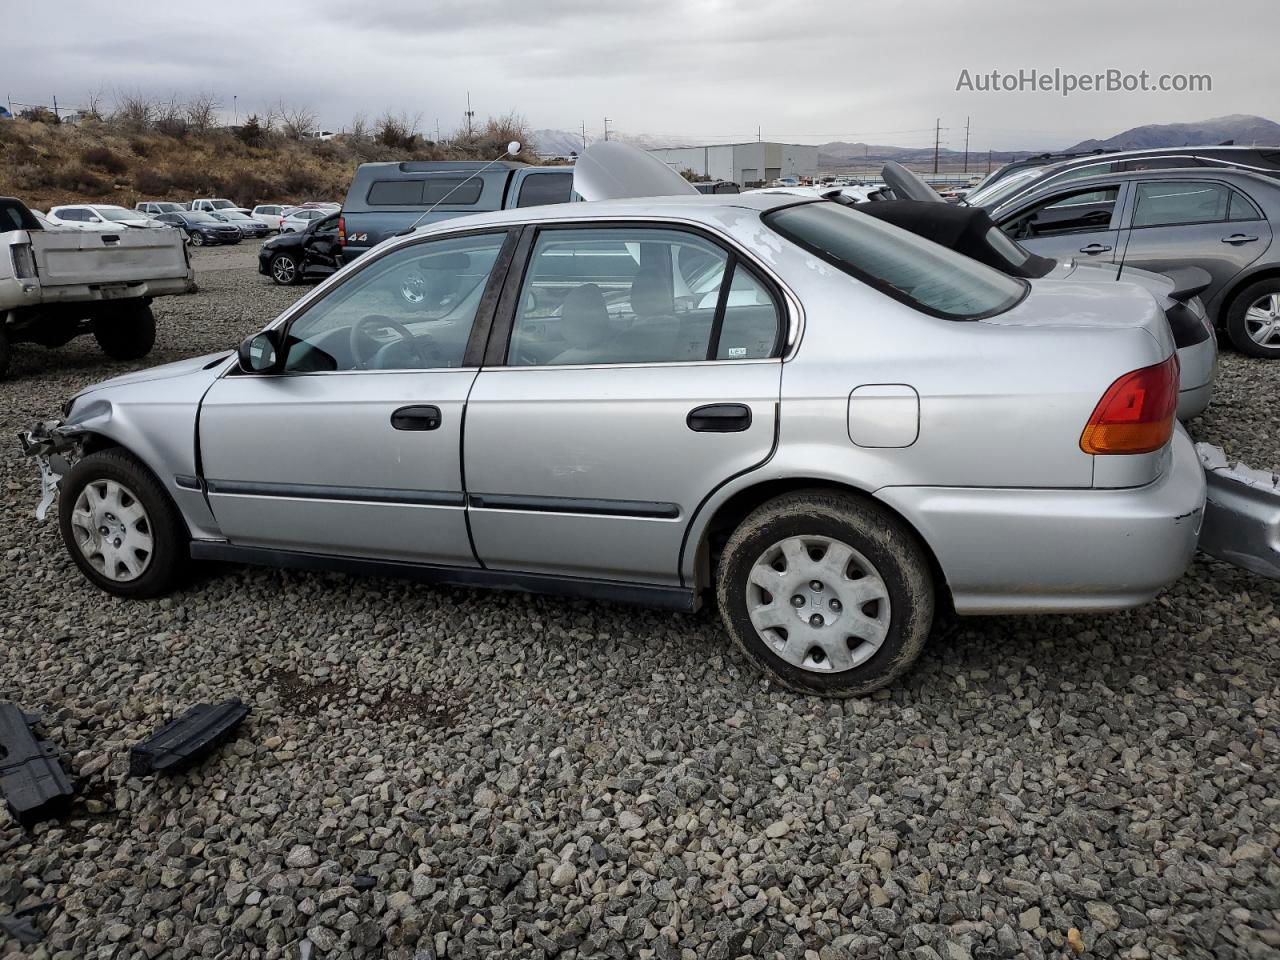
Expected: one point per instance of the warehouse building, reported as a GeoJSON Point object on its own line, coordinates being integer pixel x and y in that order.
{"type": "Point", "coordinates": [748, 164]}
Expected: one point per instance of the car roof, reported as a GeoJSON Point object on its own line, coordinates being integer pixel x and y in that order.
{"type": "Point", "coordinates": [694, 206]}
{"type": "Point", "coordinates": [1241, 178]}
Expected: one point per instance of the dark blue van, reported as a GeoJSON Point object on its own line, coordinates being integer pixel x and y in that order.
{"type": "Point", "coordinates": [386, 198]}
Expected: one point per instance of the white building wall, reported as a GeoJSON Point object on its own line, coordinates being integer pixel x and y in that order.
{"type": "Point", "coordinates": [744, 163]}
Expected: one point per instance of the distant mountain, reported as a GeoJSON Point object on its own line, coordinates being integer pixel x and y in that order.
{"type": "Point", "coordinates": [1243, 128]}
{"type": "Point", "coordinates": [564, 142]}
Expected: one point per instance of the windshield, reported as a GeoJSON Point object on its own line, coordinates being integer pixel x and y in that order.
{"type": "Point", "coordinates": [197, 216]}
{"type": "Point", "coordinates": [995, 194]}
{"type": "Point", "coordinates": [221, 204]}
{"type": "Point", "coordinates": [169, 207]}
{"type": "Point", "coordinates": [232, 215]}
{"type": "Point", "coordinates": [909, 268]}
{"type": "Point", "coordinates": [119, 213]}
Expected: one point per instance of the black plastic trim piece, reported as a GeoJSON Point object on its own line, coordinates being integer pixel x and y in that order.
{"type": "Point", "coordinates": [181, 742]}
{"type": "Point", "coordinates": [607, 508]}
{"type": "Point", "coordinates": [479, 336]}
{"type": "Point", "coordinates": [1187, 328]}
{"type": "Point", "coordinates": [31, 778]}
{"type": "Point", "coordinates": [719, 418]}
{"type": "Point", "coordinates": [187, 482]}
{"type": "Point", "coordinates": [320, 491]}
{"type": "Point", "coordinates": [619, 591]}
{"type": "Point", "coordinates": [495, 351]}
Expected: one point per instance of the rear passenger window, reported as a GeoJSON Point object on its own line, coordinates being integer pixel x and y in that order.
{"type": "Point", "coordinates": [637, 295]}
{"type": "Point", "coordinates": [543, 188]}
{"type": "Point", "coordinates": [1167, 202]}
{"type": "Point", "coordinates": [1242, 208]}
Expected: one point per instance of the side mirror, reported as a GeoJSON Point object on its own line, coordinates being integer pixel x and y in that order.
{"type": "Point", "coordinates": [260, 353]}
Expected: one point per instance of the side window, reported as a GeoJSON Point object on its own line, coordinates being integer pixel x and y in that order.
{"type": "Point", "coordinates": [455, 191]}
{"type": "Point", "coordinates": [1165, 202]}
{"type": "Point", "coordinates": [1078, 173]}
{"type": "Point", "coordinates": [411, 310]}
{"type": "Point", "coordinates": [1080, 211]}
{"type": "Point", "coordinates": [1242, 208]}
{"type": "Point", "coordinates": [636, 295]}
{"type": "Point", "coordinates": [542, 188]}
{"type": "Point", "coordinates": [395, 193]}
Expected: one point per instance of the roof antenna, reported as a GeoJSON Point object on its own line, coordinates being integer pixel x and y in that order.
{"type": "Point", "coordinates": [513, 148]}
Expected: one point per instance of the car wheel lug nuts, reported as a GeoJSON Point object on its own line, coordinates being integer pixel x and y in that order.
{"type": "Point", "coordinates": [835, 605]}
{"type": "Point", "coordinates": [815, 585]}
{"type": "Point", "coordinates": [797, 601]}
{"type": "Point", "coordinates": [815, 620]}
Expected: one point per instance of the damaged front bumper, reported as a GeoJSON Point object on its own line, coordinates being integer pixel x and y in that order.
{"type": "Point", "coordinates": [53, 451]}
{"type": "Point", "coordinates": [1241, 513]}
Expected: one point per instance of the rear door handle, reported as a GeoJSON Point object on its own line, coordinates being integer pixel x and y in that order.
{"type": "Point", "coordinates": [1238, 238]}
{"type": "Point", "coordinates": [1093, 248]}
{"type": "Point", "coordinates": [719, 418]}
{"type": "Point", "coordinates": [416, 418]}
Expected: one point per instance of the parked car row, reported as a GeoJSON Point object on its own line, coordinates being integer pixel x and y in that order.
{"type": "Point", "coordinates": [854, 423]}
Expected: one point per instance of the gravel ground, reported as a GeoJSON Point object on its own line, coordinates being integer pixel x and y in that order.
{"type": "Point", "coordinates": [450, 773]}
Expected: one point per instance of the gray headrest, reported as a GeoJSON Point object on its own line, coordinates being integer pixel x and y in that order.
{"type": "Point", "coordinates": [584, 318]}
{"type": "Point", "coordinates": [651, 294]}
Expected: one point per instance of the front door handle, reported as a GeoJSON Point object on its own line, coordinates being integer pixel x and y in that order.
{"type": "Point", "coordinates": [1095, 248]}
{"type": "Point", "coordinates": [416, 418]}
{"type": "Point", "coordinates": [719, 418]}
{"type": "Point", "coordinates": [1238, 238]}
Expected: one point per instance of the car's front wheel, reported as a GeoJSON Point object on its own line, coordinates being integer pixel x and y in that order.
{"type": "Point", "coordinates": [1253, 321]}
{"type": "Point", "coordinates": [285, 269]}
{"type": "Point", "coordinates": [196, 238]}
{"type": "Point", "coordinates": [120, 526]}
{"type": "Point", "coordinates": [830, 593]}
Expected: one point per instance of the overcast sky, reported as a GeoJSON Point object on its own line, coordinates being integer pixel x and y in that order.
{"type": "Point", "coordinates": [805, 70]}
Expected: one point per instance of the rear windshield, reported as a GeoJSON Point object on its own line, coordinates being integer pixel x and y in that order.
{"type": "Point", "coordinates": [919, 272]}
{"type": "Point", "coordinates": [456, 191]}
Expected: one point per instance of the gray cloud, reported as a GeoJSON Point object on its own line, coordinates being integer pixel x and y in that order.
{"type": "Point", "coordinates": [809, 70]}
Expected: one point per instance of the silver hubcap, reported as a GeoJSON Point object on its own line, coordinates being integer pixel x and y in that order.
{"type": "Point", "coordinates": [283, 269]}
{"type": "Point", "coordinates": [1262, 321]}
{"type": "Point", "coordinates": [112, 530]}
{"type": "Point", "coordinates": [818, 603]}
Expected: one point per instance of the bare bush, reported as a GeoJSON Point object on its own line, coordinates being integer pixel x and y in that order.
{"type": "Point", "coordinates": [133, 111]}
{"type": "Point", "coordinates": [152, 183]}
{"type": "Point", "coordinates": [92, 109]}
{"type": "Point", "coordinates": [296, 120]}
{"type": "Point", "coordinates": [252, 133]}
{"type": "Point", "coordinates": [171, 117]}
{"type": "Point", "coordinates": [490, 140]}
{"type": "Point", "coordinates": [359, 128]}
{"type": "Point", "coordinates": [202, 112]}
{"type": "Point", "coordinates": [104, 159]}
{"type": "Point", "coordinates": [399, 131]}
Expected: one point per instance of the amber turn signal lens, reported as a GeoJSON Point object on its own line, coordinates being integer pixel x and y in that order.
{"type": "Point", "coordinates": [1136, 413]}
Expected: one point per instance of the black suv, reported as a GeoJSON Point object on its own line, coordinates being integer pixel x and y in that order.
{"type": "Point", "coordinates": [309, 254]}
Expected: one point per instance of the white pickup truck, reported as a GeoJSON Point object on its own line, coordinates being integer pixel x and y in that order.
{"type": "Point", "coordinates": [56, 284]}
{"type": "Point", "coordinates": [216, 205]}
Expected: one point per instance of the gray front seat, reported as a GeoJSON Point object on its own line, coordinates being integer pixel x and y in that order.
{"type": "Point", "coordinates": [584, 324]}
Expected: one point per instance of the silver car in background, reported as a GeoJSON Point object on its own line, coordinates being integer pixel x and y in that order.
{"type": "Point", "coordinates": [855, 428]}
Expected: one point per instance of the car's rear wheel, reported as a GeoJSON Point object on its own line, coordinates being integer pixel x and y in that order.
{"type": "Point", "coordinates": [285, 269]}
{"type": "Point", "coordinates": [1253, 321]}
{"type": "Point", "coordinates": [830, 593]}
{"type": "Point", "coordinates": [120, 526]}
{"type": "Point", "coordinates": [126, 331]}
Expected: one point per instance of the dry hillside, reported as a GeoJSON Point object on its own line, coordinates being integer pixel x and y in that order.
{"type": "Point", "coordinates": [105, 161]}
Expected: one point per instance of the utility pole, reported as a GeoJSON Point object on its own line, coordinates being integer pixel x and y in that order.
{"type": "Point", "coordinates": [56, 115]}
{"type": "Point", "coordinates": [988, 160]}
{"type": "Point", "coordinates": [437, 129]}
{"type": "Point", "coordinates": [584, 134]}
{"type": "Point", "coordinates": [966, 144]}
{"type": "Point", "coordinates": [606, 128]}
{"type": "Point", "coordinates": [758, 135]}
{"type": "Point", "coordinates": [470, 113]}
{"type": "Point", "coordinates": [235, 109]}
{"type": "Point", "coordinates": [937, 135]}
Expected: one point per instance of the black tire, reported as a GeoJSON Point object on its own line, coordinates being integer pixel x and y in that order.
{"type": "Point", "coordinates": [881, 538]}
{"type": "Point", "coordinates": [169, 557]}
{"type": "Point", "coordinates": [1237, 322]}
{"type": "Point", "coordinates": [127, 331]}
{"type": "Point", "coordinates": [285, 269]}
{"type": "Point", "coordinates": [4, 352]}
{"type": "Point", "coordinates": [196, 238]}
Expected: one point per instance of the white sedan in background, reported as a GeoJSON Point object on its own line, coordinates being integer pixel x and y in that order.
{"type": "Point", "coordinates": [100, 216]}
{"type": "Point", "coordinates": [272, 214]}
{"type": "Point", "coordinates": [298, 219]}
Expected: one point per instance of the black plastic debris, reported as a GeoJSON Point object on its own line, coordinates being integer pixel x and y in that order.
{"type": "Point", "coordinates": [31, 778]}
{"type": "Point", "coordinates": [19, 926]}
{"type": "Point", "coordinates": [185, 740]}
{"type": "Point", "coordinates": [364, 882]}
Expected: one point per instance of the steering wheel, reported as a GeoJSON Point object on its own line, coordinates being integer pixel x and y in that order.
{"type": "Point", "coordinates": [360, 361]}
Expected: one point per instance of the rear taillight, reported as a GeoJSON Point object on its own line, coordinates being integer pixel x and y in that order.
{"type": "Point", "coordinates": [1136, 413]}
{"type": "Point", "coordinates": [24, 261]}
{"type": "Point", "coordinates": [342, 231]}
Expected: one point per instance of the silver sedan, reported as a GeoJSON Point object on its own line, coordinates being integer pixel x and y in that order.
{"type": "Point", "coordinates": [845, 429]}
